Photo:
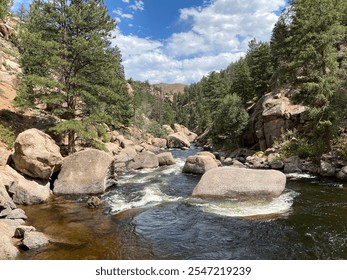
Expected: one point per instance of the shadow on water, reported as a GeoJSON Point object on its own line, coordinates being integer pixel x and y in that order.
{"type": "Point", "coordinates": [151, 215]}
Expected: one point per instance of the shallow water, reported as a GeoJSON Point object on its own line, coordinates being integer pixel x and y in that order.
{"type": "Point", "coordinates": [151, 215]}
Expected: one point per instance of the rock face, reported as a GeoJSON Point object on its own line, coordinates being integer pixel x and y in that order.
{"type": "Point", "coordinates": [23, 191]}
{"type": "Point", "coordinates": [145, 159]}
{"type": "Point", "coordinates": [227, 182]}
{"type": "Point", "coordinates": [36, 154]}
{"type": "Point", "coordinates": [7, 249]}
{"type": "Point", "coordinates": [271, 115]}
{"type": "Point", "coordinates": [86, 172]}
{"type": "Point", "coordinates": [166, 159]}
{"type": "Point", "coordinates": [199, 164]}
{"type": "Point", "coordinates": [178, 140]}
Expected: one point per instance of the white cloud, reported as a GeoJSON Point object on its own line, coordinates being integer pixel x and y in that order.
{"type": "Point", "coordinates": [125, 1]}
{"type": "Point", "coordinates": [138, 5]}
{"type": "Point", "coordinates": [219, 34]}
{"type": "Point", "coordinates": [119, 12]}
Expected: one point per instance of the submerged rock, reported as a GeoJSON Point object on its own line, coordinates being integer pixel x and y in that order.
{"type": "Point", "coordinates": [226, 182]}
{"type": "Point", "coordinates": [87, 172]}
{"type": "Point", "coordinates": [34, 240]}
{"type": "Point", "coordinates": [93, 202]}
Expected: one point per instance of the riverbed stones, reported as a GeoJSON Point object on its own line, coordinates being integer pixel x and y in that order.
{"type": "Point", "coordinates": [199, 164]}
{"type": "Point", "coordinates": [21, 230]}
{"type": "Point", "coordinates": [93, 202]}
{"type": "Point", "coordinates": [24, 191]}
{"type": "Point", "coordinates": [36, 154]}
{"type": "Point", "coordinates": [126, 155]}
{"type": "Point", "coordinates": [166, 159]}
{"type": "Point", "coordinates": [87, 172]}
{"type": "Point", "coordinates": [143, 160]}
{"type": "Point", "coordinates": [342, 174]}
{"type": "Point", "coordinates": [327, 169]}
{"type": "Point", "coordinates": [227, 182]}
{"type": "Point", "coordinates": [34, 240]}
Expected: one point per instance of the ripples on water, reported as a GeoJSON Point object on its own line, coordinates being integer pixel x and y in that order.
{"type": "Point", "coordinates": [151, 214]}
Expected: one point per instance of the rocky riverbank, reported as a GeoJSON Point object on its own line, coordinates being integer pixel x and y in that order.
{"type": "Point", "coordinates": [35, 171]}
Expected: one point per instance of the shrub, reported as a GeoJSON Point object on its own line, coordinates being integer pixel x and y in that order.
{"type": "Point", "coordinates": [7, 136]}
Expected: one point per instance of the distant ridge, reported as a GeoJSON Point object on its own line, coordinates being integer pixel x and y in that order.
{"type": "Point", "coordinates": [171, 88]}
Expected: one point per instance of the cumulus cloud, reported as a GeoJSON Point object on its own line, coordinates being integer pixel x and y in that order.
{"type": "Point", "coordinates": [119, 13]}
{"type": "Point", "coordinates": [219, 34]}
{"type": "Point", "coordinates": [138, 5]}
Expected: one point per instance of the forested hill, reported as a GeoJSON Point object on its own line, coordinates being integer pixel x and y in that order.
{"type": "Point", "coordinates": [305, 63]}
{"type": "Point", "coordinates": [71, 73]}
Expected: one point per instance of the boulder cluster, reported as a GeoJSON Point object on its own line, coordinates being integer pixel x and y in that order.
{"type": "Point", "coordinates": [35, 171]}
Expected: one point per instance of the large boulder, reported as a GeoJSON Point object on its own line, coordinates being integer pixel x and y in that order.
{"type": "Point", "coordinates": [126, 154]}
{"type": "Point", "coordinates": [342, 174]}
{"type": "Point", "coordinates": [7, 249]}
{"type": "Point", "coordinates": [227, 182]}
{"type": "Point", "coordinates": [36, 154]}
{"type": "Point", "coordinates": [199, 164]}
{"type": "Point", "coordinates": [87, 172]}
{"type": "Point", "coordinates": [145, 159]}
{"type": "Point", "coordinates": [24, 191]}
{"type": "Point", "coordinates": [168, 129]}
{"type": "Point", "coordinates": [151, 148]}
{"type": "Point", "coordinates": [327, 169]}
{"type": "Point", "coordinates": [166, 159]}
{"type": "Point", "coordinates": [159, 142]}
{"type": "Point", "coordinates": [178, 140]}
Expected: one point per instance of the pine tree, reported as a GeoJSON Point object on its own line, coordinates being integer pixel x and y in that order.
{"type": "Point", "coordinates": [242, 83]}
{"type": "Point", "coordinates": [230, 120]}
{"type": "Point", "coordinates": [260, 66]}
{"type": "Point", "coordinates": [4, 7]}
{"type": "Point", "coordinates": [69, 67]}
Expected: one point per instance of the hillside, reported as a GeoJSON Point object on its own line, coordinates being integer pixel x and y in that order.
{"type": "Point", "coordinates": [171, 88]}
{"type": "Point", "coordinates": [9, 67]}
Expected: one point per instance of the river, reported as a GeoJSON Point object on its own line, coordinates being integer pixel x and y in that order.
{"type": "Point", "coordinates": [150, 214]}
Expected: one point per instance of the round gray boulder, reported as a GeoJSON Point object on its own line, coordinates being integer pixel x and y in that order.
{"type": "Point", "coordinates": [87, 172]}
{"type": "Point", "coordinates": [36, 154]}
{"type": "Point", "coordinates": [226, 182]}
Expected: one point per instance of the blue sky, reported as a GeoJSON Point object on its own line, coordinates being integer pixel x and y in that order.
{"type": "Point", "coordinates": [180, 41]}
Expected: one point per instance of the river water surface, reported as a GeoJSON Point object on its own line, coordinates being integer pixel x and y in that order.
{"type": "Point", "coordinates": [151, 215]}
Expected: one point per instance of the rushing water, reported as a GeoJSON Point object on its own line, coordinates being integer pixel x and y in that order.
{"type": "Point", "coordinates": [151, 215]}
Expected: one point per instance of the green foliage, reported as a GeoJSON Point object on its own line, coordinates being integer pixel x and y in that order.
{"type": "Point", "coordinates": [231, 119]}
{"type": "Point", "coordinates": [7, 136]}
{"type": "Point", "coordinates": [294, 144]}
{"type": "Point", "coordinates": [69, 66]}
{"type": "Point", "coordinates": [156, 130]}
{"type": "Point", "coordinates": [4, 7]}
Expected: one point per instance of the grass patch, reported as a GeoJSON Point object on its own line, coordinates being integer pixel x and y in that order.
{"type": "Point", "coordinates": [7, 136]}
